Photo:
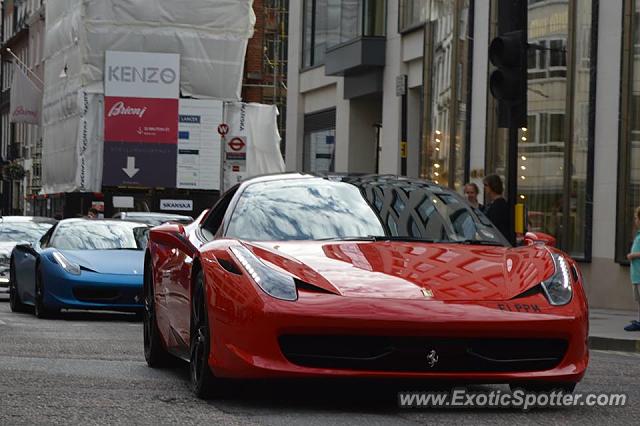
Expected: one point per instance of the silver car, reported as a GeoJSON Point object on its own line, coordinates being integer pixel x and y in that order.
{"type": "Point", "coordinates": [152, 218]}
{"type": "Point", "coordinates": [16, 230]}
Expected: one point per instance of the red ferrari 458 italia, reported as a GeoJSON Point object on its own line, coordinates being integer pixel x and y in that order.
{"type": "Point", "coordinates": [295, 276]}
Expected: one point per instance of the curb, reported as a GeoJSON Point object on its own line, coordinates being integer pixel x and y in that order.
{"type": "Point", "coordinates": [609, 344]}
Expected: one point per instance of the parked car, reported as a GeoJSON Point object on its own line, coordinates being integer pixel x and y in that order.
{"type": "Point", "coordinates": [382, 277]}
{"type": "Point", "coordinates": [15, 230]}
{"type": "Point", "coordinates": [80, 264]}
{"type": "Point", "coordinates": [153, 219]}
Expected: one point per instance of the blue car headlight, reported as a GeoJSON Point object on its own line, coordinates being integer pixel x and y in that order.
{"type": "Point", "coordinates": [558, 288]}
{"type": "Point", "coordinates": [66, 264]}
{"type": "Point", "coordinates": [274, 283]}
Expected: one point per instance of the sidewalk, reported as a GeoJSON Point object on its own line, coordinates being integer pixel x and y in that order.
{"type": "Point", "coordinates": [606, 330]}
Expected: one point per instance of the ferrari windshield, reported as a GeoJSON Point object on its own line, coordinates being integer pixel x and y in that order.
{"type": "Point", "coordinates": [324, 209]}
{"type": "Point", "coordinates": [100, 235]}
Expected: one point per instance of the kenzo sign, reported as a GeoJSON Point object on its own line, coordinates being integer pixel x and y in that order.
{"type": "Point", "coordinates": [142, 75]}
{"type": "Point", "coordinates": [132, 74]}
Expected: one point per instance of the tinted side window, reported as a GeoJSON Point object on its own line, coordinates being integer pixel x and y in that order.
{"type": "Point", "coordinates": [44, 241]}
{"type": "Point", "coordinates": [214, 220]}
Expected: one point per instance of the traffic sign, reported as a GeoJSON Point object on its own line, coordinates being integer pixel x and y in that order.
{"type": "Point", "coordinates": [223, 129]}
{"type": "Point", "coordinates": [236, 144]}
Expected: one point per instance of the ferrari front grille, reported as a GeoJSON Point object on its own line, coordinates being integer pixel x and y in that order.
{"type": "Point", "coordinates": [422, 354]}
{"type": "Point", "coordinates": [96, 295]}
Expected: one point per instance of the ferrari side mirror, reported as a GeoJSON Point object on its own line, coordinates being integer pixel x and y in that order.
{"type": "Point", "coordinates": [531, 238]}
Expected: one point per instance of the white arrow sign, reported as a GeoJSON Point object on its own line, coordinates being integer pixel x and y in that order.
{"type": "Point", "coordinates": [131, 170]}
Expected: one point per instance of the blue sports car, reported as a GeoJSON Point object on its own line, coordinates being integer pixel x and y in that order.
{"type": "Point", "coordinates": [80, 264]}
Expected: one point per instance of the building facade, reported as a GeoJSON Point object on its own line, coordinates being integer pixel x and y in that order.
{"type": "Point", "coordinates": [265, 69]}
{"type": "Point", "coordinates": [401, 87]}
{"type": "Point", "coordinates": [20, 144]}
{"type": "Point", "coordinates": [23, 31]}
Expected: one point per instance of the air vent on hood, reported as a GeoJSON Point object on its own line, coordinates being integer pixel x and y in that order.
{"type": "Point", "coordinates": [532, 291]}
{"type": "Point", "coordinates": [229, 266]}
{"type": "Point", "coordinates": [301, 285]}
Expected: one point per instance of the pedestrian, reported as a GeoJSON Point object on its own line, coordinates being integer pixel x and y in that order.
{"type": "Point", "coordinates": [496, 208]}
{"type": "Point", "coordinates": [471, 192]}
{"type": "Point", "coordinates": [634, 259]}
{"type": "Point", "coordinates": [93, 213]}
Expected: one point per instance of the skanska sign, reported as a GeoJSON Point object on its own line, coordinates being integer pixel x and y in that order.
{"type": "Point", "coordinates": [177, 205]}
{"type": "Point", "coordinates": [142, 75]}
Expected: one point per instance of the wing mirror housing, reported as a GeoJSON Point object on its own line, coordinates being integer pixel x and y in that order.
{"type": "Point", "coordinates": [173, 235]}
{"type": "Point", "coordinates": [531, 238]}
{"type": "Point", "coordinates": [25, 246]}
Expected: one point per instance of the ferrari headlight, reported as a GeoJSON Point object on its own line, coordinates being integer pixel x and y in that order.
{"type": "Point", "coordinates": [272, 282]}
{"type": "Point", "coordinates": [558, 288]}
{"type": "Point", "coordinates": [66, 264]}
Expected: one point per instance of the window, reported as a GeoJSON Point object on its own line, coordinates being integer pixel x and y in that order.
{"type": "Point", "coordinates": [448, 71]}
{"type": "Point", "coordinates": [314, 42]}
{"type": "Point", "coordinates": [306, 209]}
{"type": "Point", "coordinates": [629, 149]}
{"type": "Point", "coordinates": [413, 13]}
{"type": "Point", "coordinates": [97, 235]}
{"type": "Point", "coordinates": [331, 22]}
{"type": "Point", "coordinates": [302, 209]}
{"type": "Point", "coordinates": [548, 58]}
{"type": "Point", "coordinates": [215, 217]}
{"type": "Point", "coordinates": [7, 75]}
{"type": "Point", "coordinates": [556, 128]}
{"type": "Point", "coordinates": [320, 141]}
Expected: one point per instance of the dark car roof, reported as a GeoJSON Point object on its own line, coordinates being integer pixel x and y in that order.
{"type": "Point", "coordinates": [37, 219]}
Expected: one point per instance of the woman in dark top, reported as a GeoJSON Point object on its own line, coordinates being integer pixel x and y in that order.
{"type": "Point", "coordinates": [497, 209]}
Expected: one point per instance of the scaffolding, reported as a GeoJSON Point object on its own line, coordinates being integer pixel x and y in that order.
{"type": "Point", "coordinates": [274, 59]}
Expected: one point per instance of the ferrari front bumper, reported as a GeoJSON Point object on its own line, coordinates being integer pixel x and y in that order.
{"type": "Point", "coordinates": [93, 291]}
{"type": "Point", "coordinates": [323, 335]}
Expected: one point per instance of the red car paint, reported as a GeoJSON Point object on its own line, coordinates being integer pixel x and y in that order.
{"type": "Point", "coordinates": [372, 288]}
{"type": "Point", "coordinates": [363, 288]}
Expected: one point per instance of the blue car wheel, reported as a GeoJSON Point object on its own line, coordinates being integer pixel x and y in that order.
{"type": "Point", "coordinates": [15, 303]}
{"type": "Point", "coordinates": [40, 310]}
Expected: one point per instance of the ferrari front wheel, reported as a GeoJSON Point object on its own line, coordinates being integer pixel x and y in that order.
{"type": "Point", "coordinates": [39, 308]}
{"type": "Point", "coordinates": [154, 352]}
{"type": "Point", "coordinates": [15, 303]}
{"type": "Point", "coordinates": [202, 379]}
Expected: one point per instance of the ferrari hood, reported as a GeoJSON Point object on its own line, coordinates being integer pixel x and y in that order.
{"type": "Point", "coordinates": [403, 270]}
{"type": "Point", "coordinates": [119, 262]}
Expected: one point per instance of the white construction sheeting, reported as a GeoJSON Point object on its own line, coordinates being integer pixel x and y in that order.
{"type": "Point", "coordinates": [256, 125]}
{"type": "Point", "coordinates": [210, 35]}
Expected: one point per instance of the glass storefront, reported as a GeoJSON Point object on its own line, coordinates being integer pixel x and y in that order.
{"type": "Point", "coordinates": [320, 142]}
{"type": "Point", "coordinates": [321, 150]}
{"type": "Point", "coordinates": [629, 150]}
{"type": "Point", "coordinates": [447, 67]}
{"type": "Point", "coordinates": [554, 148]}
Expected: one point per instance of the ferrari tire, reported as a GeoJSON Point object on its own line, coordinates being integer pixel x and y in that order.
{"type": "Point", "coordinates": [39, 308]}
{"type": "Point", "coordinates": [566, 388]}
{"type": "Point", "coordinates": [154, 351]}
{"type": "Point", "coordinates": [203, 381]}
{"type": "Point", "coordinates": [15, 303]}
